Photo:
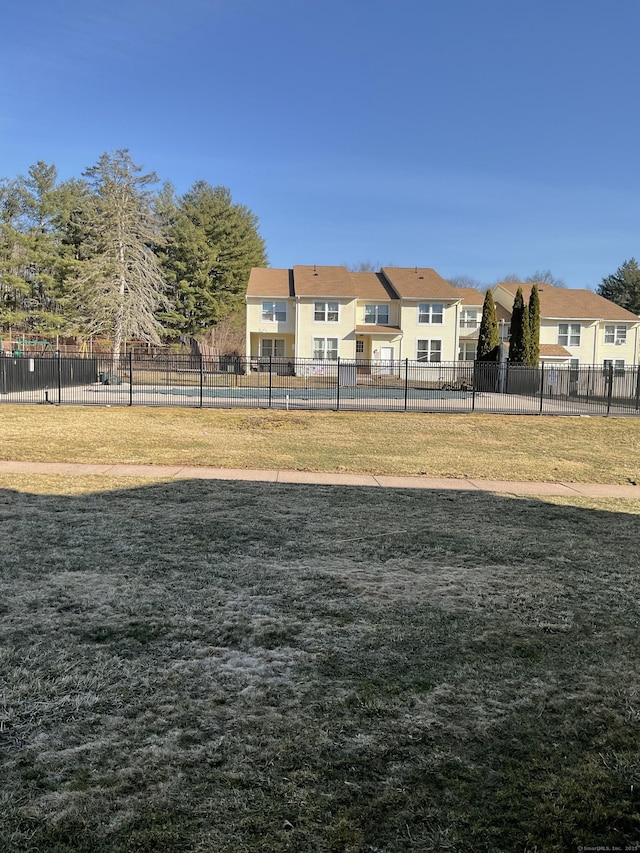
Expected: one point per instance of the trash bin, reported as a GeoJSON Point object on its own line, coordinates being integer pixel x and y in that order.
{"type": "Point", "coordinates": [103, 377]}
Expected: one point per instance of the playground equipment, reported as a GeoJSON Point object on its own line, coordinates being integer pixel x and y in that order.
{"type": "Point", "coordinates": [21, 344]}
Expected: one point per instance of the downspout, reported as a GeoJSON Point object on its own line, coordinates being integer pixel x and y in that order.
{"type": "Point", "coordinates": [297, 329]}
{"type": "Point", "coordinates": [595, 340]}
{"type": "Point", "coordinates": [355, 323]}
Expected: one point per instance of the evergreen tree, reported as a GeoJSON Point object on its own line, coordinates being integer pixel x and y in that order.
{"type": "Point", "coordinates": [623, 287]}
{"type": "Point", "coordinates": [533, 354]}
{"type": "Point", "coordinates": [488, 335]}
{"type": "Point", "coordinates": [32, 255]}
{"type": "Point", "coordinates": [212, 246]}
{"type": "Point", "coordinates": [520, 332]}
{"type": "Point", "coordinates": [120, 283]}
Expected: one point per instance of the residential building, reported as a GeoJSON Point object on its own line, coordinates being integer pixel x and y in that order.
{"type": "Point", "coordinates": [579, 326]}
{"type": "Point", "coordinates": [327, 312]}
{"type": "Point", "coordinates": [469, 322]}
{"type": "Point", "coordinates": [323, 313]}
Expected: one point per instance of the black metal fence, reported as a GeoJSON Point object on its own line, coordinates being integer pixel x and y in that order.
{"type": "Point", "coordinates": [281, 383]}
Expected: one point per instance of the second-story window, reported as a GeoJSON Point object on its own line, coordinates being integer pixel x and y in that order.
{"type": "Point", "coordinates": [274, 312]}
{"type": "Point", "coordinates": [615, 334]}
{"type": "Point", "coordinates": [376, 314]}
{"type": "Point", "coordinates": [430, 312]}
{"type": "Point", "coordinates": [569, 334]}
{"type": "Point", "coordinates": [469, 318]}
{"type": "Point", "coordinates": [325, 312]}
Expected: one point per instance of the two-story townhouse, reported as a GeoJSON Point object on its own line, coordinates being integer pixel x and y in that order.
{"type": "Point", "coordinates": [470, 316]}
{"type": "Point", "coordinates": [326, 313]}
{"type": "Point", "coordinates": [579, 326]}
{"type": "Point", "coordinates": [344, 314]}
{"type": "Point", "coordinates": [429, 313]}
{"type": "Point", "coordinates": [270, 313]}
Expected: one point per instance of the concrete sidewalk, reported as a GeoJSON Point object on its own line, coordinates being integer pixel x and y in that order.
{"type": "Point", "coordinates": [177, 472]}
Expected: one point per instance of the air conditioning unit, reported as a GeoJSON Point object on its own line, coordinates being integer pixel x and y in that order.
{"type": "Point", "coordinates": [620, 343]}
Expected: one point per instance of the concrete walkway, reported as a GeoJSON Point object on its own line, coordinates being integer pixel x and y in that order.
{"type": "Point", "coordinates": [177, 472]}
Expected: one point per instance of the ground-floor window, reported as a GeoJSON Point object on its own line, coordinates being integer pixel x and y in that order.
{"type": "Point", "coordinates": [272, 347]}
{"type": "Point", "coordinates": [467, 351]}
{"type": "Point", "coordinates": [429, 350]}
{"type": "Point", "coordinates": [359, 347]}
{"type": "Point", "coordinates": [618, 365]}
{"type": "Point", "coordinates": [325, 348]}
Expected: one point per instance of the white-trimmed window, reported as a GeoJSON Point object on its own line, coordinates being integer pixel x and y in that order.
{"type": "Point", "coordinates": [272, 347]}
{"type": "Point", "coordinates": [618, 365]}
{"type": "Point", "coordinates": [468, 350]}
{"type": "Point", "coordinates": [615, 334]}
{"type": "Point", "coordinates": [325, 312]}
{"type": "Point", "coordinates": [325, 349]}
{"type": "Point", "coordinates": [469, 318]}
{"type": "Point", "coordinates": [429, 351]}
{"type": "Point", "coordinates": [274, 312]}
{"type": "Point", "coordinates": [430, 312]}
{"type": "Point", "coordinates": [360, 347]}
{"type": "Point", "coordinates": [378, 315]}
{"type": "Point", "coordinates": [569, 334]}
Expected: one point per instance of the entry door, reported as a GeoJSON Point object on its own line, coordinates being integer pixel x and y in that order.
{"type": "Point", "coordinates": [386, 359]}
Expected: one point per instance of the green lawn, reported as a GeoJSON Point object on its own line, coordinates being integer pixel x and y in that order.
{"type": "Point", "coordinates": [217, 666]}
{"type": "Point", "coordinates": [490, 446]}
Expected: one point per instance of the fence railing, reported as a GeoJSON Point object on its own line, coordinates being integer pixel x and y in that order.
{"type": "Point", "coordinates": [275, 382]}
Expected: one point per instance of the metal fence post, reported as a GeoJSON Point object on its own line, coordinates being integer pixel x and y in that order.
{"type": "Point", "coordinates": [59, 377]}
{"type": "Point", "coordinates": [201, 379]}
{"type": "Point", "coordinates": [130, 378]}
{"type": "Point", "coordinates": [541, 386]}
{"type": "Point", "coordinates": [270, 379]}
{"type": "Point", "coordinates": [610, 389]}
{"type": "Point", "coordinates": [637, 387]}
{"type": "Point", "coordinates": [406, 382]}
{"type": "Point", "coordinates": [474, 381]}
{"type": "Point", "coordinates": [338, 386]}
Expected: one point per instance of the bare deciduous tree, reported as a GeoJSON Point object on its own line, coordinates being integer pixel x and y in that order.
{"type": "Point", "coordinates": [120, 283]}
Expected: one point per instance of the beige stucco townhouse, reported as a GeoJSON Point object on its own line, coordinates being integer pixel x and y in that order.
{"type": "Point", "coordinates": [327, 312]}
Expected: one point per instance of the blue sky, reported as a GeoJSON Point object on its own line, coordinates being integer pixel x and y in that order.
{"type": "Point", "coordinates": [478, 137]}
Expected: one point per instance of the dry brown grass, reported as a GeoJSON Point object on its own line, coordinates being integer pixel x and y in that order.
{"type": "Point", "coordinates": [493, 447]}
{"type": "Point", "coordinates": [211, 666]}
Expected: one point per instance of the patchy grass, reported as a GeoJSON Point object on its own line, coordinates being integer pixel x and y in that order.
{"type": "Point", "coordinates": [486, 446]}
{"type": "Point", "coordinates": [213, 666]}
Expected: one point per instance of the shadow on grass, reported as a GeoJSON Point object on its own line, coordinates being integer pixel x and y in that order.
{"type": "Point", "coordinates": [203, 665]}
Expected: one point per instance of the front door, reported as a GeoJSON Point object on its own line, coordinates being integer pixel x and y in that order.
{"type": "Point", "coordinates": [386, 359]}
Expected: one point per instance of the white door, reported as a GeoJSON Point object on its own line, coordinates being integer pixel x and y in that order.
{"type": "Point", "coordinates": [386, 359]}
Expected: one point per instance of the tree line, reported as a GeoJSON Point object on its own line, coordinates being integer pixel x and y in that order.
{"type": "Point", "coordinates": [110, 254]}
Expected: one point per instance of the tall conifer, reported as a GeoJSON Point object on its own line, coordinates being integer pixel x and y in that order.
{"type": "Point", "coordinates": [534, 327]}
{"type": "Point", "coordinates": [488, 336]}
{"type": "Point", "coordinates": [520, 335]}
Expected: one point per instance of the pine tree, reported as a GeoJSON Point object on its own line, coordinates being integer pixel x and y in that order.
{"type": "Point", "coordinates": [212, 246]}
{"type": "Point", "coordinates": [33, 257]}
{"type": "Point", "coordinates": [520, 332]}
{"type": "Point", "coordinates": [488, 335]}
{"type": "Point", "coordinates": [533, 355]}
{"type": "Point", "coordinates": [623, 287]}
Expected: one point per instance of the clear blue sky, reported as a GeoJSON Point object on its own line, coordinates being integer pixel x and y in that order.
{"type": "Point", "coordinates": [478, 137]}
